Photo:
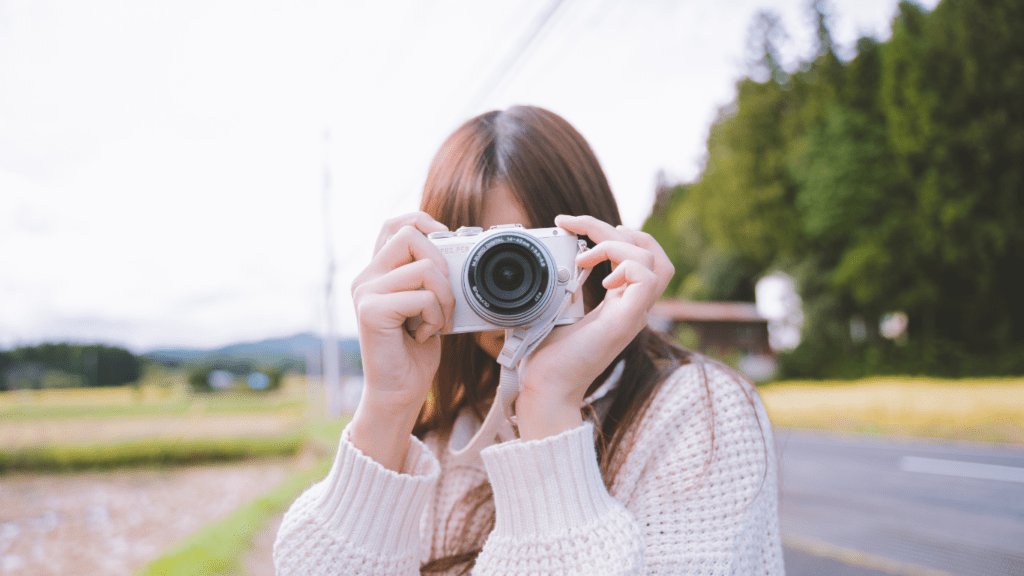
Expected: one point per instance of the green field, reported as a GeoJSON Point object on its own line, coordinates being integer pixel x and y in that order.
{"type": "Point", "coordinates": [151, 424]}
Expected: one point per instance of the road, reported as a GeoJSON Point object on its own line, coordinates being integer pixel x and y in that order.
{"type": "Point", "coordinates": [867, 505]}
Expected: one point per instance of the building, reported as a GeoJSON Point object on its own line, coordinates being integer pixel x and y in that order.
{"type": "Point", "coordinates": [724, 330]}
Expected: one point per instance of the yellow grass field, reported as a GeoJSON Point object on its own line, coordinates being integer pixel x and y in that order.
{"type": "Point", "coordinates": [990, 410]}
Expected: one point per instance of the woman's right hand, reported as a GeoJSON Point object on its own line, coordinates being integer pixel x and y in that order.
{"type": "Point", "coordinates": [407, 277]}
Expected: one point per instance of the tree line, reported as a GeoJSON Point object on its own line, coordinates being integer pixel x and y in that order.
{"type": "Point", "coordinates": [88, 365]}
{"type": "Point", "coordinates": [889, 182]}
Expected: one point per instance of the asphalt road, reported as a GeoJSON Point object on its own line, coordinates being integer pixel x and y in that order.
{"type": "Point", "coordinates": [866, 505]}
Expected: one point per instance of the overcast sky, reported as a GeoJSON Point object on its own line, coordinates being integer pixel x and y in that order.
{"type": "Point", "coordinates": [162, 163]}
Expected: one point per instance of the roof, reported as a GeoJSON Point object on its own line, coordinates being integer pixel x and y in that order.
{"type": "Point", "coordinates": [688, 311]}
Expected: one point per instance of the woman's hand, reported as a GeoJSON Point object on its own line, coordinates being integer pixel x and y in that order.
{"type": "Point", "coordinates": [556, 376]}
{"type": "Point", "coordinates": [407, 277]}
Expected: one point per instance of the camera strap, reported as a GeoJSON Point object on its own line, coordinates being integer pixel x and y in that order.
{"type": "Point", "coordinates": [519, 343]}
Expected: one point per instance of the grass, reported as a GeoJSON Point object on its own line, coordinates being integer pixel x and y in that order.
{"type": "Point", "coordinates": [149, 399]}
{"type": "Point", "coordinates": [154, 424]}
{"type": "Point", "coordinates": [218, 548]}
{"type": "Point", "coordinates": [150, 452]}
{"type": "Point", "coordinates": [990, 410]}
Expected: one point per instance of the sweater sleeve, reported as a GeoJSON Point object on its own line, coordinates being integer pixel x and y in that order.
{"type": "Point", "coordinates": [553, 514]}
{"type": "Point", "coordinates": [361, 519]}
{"type": "Point", "coordinates": [695, 491]}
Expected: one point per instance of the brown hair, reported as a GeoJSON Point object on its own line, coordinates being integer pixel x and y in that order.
{"type": "Point", "coordinates": [550, 169]}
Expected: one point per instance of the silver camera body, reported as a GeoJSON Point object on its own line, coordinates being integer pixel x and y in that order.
{"type": "Point", "coordinates": [509, 276]}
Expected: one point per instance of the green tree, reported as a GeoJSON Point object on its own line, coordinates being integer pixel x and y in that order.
{"type": "Point", "coordinates": [889, 182]}
{"type": "Point", "coordinates": [951, 90]}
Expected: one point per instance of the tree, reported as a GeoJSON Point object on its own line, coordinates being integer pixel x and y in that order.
{"type": "Point", "coordinates": [890, 182]}
{"type": "Point", "coordinates": [98, 365]}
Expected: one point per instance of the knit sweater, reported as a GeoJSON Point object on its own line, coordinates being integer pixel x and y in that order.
{"type": "Point", "coordinates": [679, 504]}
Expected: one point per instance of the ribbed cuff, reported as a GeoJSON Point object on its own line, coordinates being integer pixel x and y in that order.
{"type": "Point", "coordinates": [376, 508]}
{"type": "Point", "coordinates": [548, 485]}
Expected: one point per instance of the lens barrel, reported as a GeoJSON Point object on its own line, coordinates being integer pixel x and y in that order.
{"type": "Point", "coordinates": [509, 279]}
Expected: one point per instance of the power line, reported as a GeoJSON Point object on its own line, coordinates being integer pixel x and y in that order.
{"type": "Point", "coordinates": [513, 56]}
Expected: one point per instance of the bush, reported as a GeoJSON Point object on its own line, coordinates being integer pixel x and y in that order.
{"type": "Point", "coordinates": [815, 359]}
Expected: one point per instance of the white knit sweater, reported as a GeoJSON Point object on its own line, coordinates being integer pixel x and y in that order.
{"type": "Point", "coordinates": [676, 506]}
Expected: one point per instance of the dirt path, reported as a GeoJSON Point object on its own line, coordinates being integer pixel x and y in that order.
{"type": "Point", "coordinates": [113, 523]}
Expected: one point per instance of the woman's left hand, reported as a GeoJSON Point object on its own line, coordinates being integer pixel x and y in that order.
{"type": "Point", "coordinates": [556, 376]}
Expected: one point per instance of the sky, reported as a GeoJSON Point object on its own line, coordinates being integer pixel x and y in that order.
{"type": "Point", "coordinates": [163, 165]}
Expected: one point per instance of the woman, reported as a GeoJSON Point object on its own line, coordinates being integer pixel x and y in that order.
{"type": "Point", "coordinates": [631, 455]}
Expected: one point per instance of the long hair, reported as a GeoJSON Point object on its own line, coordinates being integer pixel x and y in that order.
{"type": "Point", "coordinates": [549, 169]}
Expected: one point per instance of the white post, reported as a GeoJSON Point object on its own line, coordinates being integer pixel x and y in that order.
{"type": "Point", "coordinates": [331, 368]}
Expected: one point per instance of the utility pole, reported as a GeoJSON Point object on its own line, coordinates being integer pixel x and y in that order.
{"type": "Point", "coordinates": [330, 364]}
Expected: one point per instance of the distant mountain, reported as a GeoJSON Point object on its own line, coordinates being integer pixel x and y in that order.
{"type": "Point", "coordinates": [271, 351]}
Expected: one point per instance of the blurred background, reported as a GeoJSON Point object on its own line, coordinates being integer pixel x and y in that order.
{"type": "Point", "coordinates": [188, 189]}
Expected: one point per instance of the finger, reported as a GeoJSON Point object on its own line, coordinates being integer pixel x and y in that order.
{"type": "Point", "coordinates": [421, 221]}
{"type": "Point", "coordinates": [617, 252]}
{"type": "Point", "coordinates": [407, 245]}
{"type": "Point", "coordinates": [663, 266]}
{"type": "Point", "coordinates": [595, 229]}
{"type": "Point", "coordinates": [390, 311]}
{"type": "Point", "coordinates": [421, 274]}
{"type": "Point", "coordinates": [640, 283]}
{"type": "Point", "coordinates": [632, 291]}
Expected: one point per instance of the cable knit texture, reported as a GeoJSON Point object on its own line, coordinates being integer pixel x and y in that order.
{"type": "Point", "coordinates": [677, 506]}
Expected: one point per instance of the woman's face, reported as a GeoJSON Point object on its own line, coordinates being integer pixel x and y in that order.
{"type": "Point", "coordinates": [500, 207]}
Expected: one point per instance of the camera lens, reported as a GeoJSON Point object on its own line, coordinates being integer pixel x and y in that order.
{"type": "Point", "coordinates": [508, 279]}
{"type": "Point", "coordinates": [509, 275]}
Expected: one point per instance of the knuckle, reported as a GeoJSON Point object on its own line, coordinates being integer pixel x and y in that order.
{"type": "Point", "coordinates": [364, 308]}
{"type": "Point", "coordinates": [405, 235]}
{"type": "Point", "coordinates": [356, 284]}
{"type": "Point", "coordinates": [440, 272]}
{"type": "Point", "coordinates": [357, 291]}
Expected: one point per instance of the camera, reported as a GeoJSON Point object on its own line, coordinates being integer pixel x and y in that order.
{"type": "Point", "coordinates": [509, 276]}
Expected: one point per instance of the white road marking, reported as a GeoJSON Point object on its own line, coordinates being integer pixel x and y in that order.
{"type": "Point", "coordinates": [961, 469]}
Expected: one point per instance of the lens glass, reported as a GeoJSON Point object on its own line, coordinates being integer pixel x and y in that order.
{"type": "Point", "coordinates": [509, 275]}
